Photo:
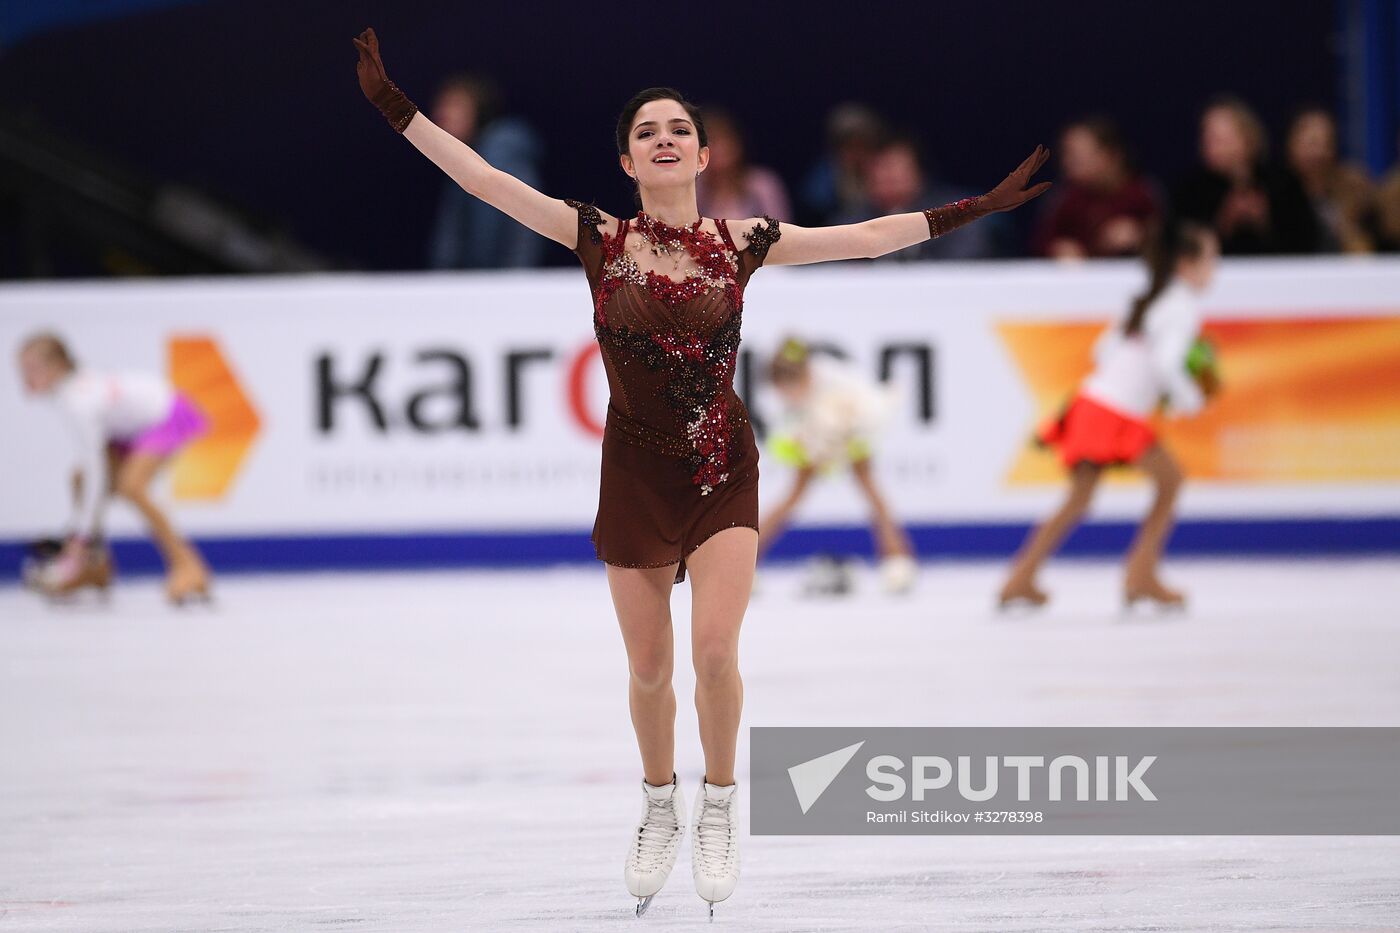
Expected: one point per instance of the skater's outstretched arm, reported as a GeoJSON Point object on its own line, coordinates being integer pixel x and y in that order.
{"type": "Point", "coordinates": [546, 216]}
{"type": "Point", "coordinates": [883, 235]}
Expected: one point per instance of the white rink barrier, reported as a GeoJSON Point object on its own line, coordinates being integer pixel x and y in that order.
{"type": "Point", "coordinates": [461, 404]}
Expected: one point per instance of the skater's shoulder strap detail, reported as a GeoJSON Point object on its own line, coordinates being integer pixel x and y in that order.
{"type": "Point", "coordinates": [762, 236]}
{"type": "Point", "coordinates": [766, 231]}
{"type": "Point", "coordinates": [723, 226]}
{"type": "Point", "coordinates": [589, 219]}
{"type": "Point", "coordinates": [591, 239]}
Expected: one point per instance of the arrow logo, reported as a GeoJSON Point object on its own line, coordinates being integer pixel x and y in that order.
{"type": "Point", "coordinates": [811, 778]}
{"type": "Point", "coordinates": [206, 469]}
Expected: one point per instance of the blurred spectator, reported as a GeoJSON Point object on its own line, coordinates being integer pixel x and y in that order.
{"type": "Point", "coordinates": [894, 183]}
{"type": "Point", "coordinates": [1106, 206]}
{"type": "Point", "coordinates": [469, 233]}
{"type": "Point", "coordinates": [1254, 208]}
{"type": "Point", "coordinates": [835, 185]}
{"type": "Point", "coordinates": [1388, 205]}
{"type": "Point", "coordinates": [730, 186]}
{"type": "Point", "coordinates": [1341, 194]}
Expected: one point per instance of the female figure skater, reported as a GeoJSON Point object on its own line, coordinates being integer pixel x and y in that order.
{"type": "Point", "coordinates": [1106, 424]}
{"type": "Point", "coordinates": [832, 417]}
{"type": "Point", "coordinates": [128, 426]}
{"type": "Point", "coordinates": [679, 487]}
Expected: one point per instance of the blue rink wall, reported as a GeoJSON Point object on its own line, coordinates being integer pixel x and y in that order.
{"type": "Point", "coordinates": [1293, 537]}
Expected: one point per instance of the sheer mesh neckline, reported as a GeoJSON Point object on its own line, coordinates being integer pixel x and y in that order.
{"type": "Point", "coordinates": [673, 263]}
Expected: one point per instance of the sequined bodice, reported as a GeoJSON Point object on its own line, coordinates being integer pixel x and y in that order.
{"type": "Point", "coordinates": [667, 308]}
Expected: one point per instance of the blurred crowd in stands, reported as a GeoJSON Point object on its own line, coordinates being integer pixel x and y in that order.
{"type": "Point", "coordinates": [1297, 198]}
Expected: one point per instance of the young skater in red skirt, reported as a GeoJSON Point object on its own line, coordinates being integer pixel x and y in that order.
{"type": "Point", "coordinates": [1139, 362]}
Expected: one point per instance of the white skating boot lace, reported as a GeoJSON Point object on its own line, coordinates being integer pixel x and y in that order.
{"type": "Point", "coordinates": [656, 840]}
{"type": "Point", "coordinates": [715, 845]}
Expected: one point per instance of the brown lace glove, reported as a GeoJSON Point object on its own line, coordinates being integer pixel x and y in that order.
{"type": "Point", "coordinates": [382, 92]}
{"type": "Point", "coordinates": [1008, 195]}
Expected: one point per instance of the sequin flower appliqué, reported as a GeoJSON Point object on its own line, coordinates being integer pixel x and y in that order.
{"type": "Point", "coordinates": [698, 366]}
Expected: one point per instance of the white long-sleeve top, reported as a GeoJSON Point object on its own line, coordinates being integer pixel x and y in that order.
{"type": "Point", "coordinates": [1132, 373]}
{"type": "Point", "coordinates": [843, 406]}
{"type": "Point", "coordinates": [102, 407]}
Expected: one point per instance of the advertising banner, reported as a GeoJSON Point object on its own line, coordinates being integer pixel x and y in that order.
{"type": "Point", "coordinates": [403, 404]}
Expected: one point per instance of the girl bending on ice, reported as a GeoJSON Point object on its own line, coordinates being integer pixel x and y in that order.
{"type": "Point", "coordinates": [128, 427]}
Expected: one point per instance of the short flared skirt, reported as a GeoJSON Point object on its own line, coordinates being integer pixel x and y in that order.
{"type": "Point", "coordinates": [652, 514]}
{"type": "Point", "coordinates": [181, 425]}
{"type": "Point", "coordinates": [1087, 431]}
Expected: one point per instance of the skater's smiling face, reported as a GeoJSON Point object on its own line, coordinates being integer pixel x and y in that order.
{"type": "Point", "coordinates": [664, 146]}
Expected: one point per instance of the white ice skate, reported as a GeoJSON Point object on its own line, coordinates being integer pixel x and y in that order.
{"type": "Point", "coordinates": [655, 842]}
{"type": "Point", "coordinates": [898, 573]}
{"type": "Point", "coordinates": [714, 843]}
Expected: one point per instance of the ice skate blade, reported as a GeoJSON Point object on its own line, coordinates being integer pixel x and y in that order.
{"type": "Point", "coordinates": [74, 599]}
{"type": "Point", "coordinates": [643, 903]}
{"type": "Point", "coordinates": [1021, 605]}
{"type": "Point", "coordinates": [710, 905]}
{"type": "Point", "coordinates": [1149, 607]}
{"type": "Point", "coordinates": [191, 600]}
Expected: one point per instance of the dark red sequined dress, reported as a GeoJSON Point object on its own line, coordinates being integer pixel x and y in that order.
{"type": "Point", "coordinates": [679, 459]}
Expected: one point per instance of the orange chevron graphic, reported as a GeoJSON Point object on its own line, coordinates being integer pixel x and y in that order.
{"type": "Point", "coordinates": [207, 467]}
{"type": "Point", "coordinates": [1304, 400]}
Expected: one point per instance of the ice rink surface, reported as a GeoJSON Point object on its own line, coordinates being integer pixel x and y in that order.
{"type": "Point", "coordinates": [452, 751]}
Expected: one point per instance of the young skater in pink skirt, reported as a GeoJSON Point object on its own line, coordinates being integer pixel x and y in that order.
{"type": "Point", "coordinates": [128, 426]}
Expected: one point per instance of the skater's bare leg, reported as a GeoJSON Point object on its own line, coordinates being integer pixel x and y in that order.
{"type": "Point", "coordinates": [721, 575]}
{"type": "Point", "coordinates": [186, 571]}
{"type": "Point", "coordinates": [1047, 538]}
{"type": "Point", "coordinates": [642, 599]}
{"type": "Point", "coordinates": [771, 526]}
{"type": "Point", "coordinates": [1140, 566]}
{"type": "Point", "coordinates": [890, 538]}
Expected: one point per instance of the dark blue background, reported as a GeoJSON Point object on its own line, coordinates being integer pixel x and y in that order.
{"type": "Point", "coordinates": [257, 99]}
